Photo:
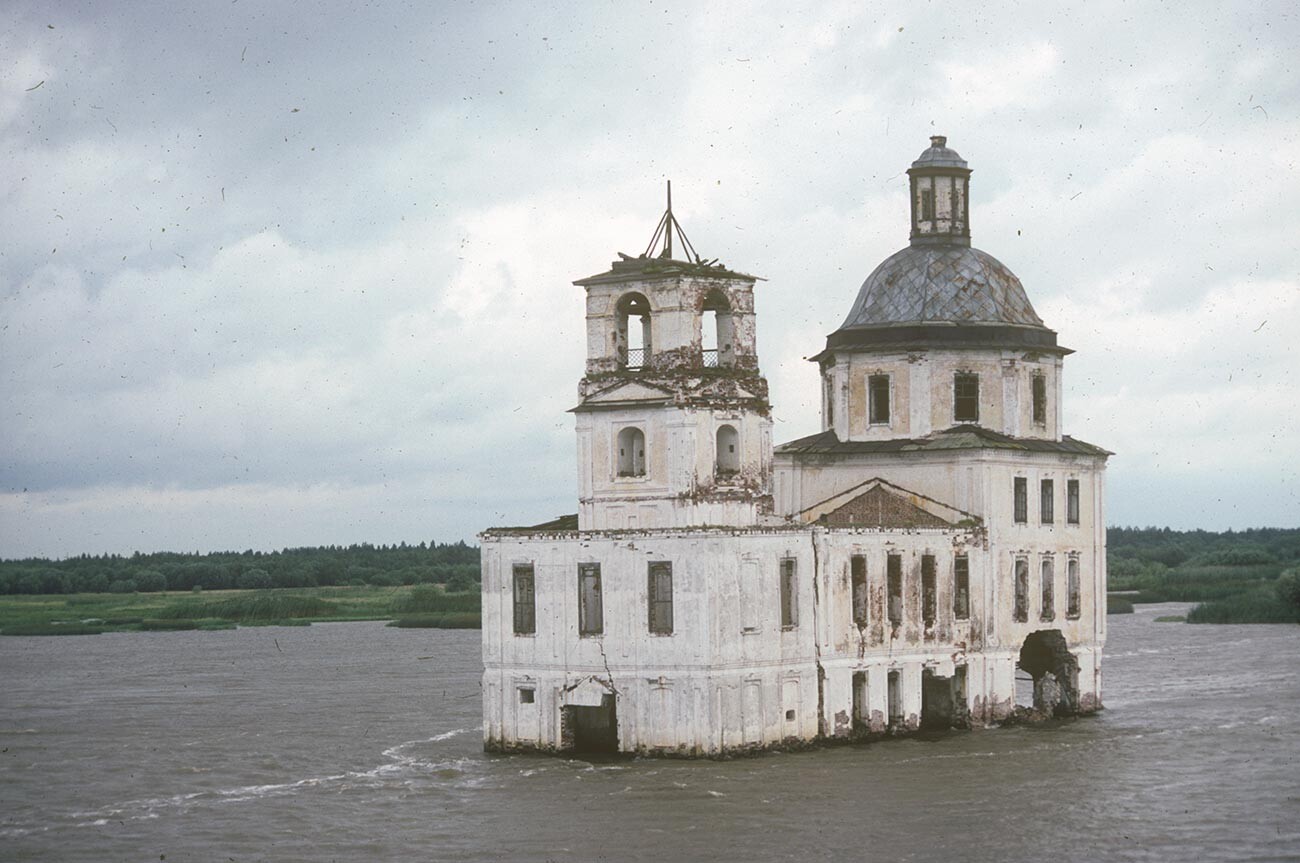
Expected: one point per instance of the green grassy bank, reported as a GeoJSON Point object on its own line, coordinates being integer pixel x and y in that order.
{"type": "Point", "coordinates": [93, 613]}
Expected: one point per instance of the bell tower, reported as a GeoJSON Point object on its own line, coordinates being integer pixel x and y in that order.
{"type": "Point", "coordinates": [673, 422]}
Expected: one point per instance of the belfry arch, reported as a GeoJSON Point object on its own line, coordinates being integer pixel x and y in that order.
{"type": "Point", "coordinates": [632, 331]}
{"type": "Point", "coordinates": [717, 330]}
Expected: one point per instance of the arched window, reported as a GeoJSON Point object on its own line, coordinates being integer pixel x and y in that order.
{"type": "Point", "coordinates": [631, 452]}
{"type": "Point", "coordinates": [728, 452]}
{"type": "Point", "coordinates": [716, 330]}
{"type": "Point", "coordinates": [632, 334]}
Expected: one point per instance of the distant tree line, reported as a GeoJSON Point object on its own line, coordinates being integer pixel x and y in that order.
{"type": "Point", "coordinates": [454, 565]}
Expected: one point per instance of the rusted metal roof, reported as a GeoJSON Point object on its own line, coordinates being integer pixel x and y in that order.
{"type": "Point", "coordinates": [939, 155]}
{"type": "Point", "coordinates": [962, 437]}
{"type": "Point", "coordinates": [941, 283]}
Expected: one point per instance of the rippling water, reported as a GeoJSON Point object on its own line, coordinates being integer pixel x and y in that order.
{"type": "Point", "coordinates": [356, 741]}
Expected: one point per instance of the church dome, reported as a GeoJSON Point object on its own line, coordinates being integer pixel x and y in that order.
{"type": "Point", "coordinates": [941, 284]}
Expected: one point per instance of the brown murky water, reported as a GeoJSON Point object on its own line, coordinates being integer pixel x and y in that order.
{"type": "Point", "coordinates": [361, 742]}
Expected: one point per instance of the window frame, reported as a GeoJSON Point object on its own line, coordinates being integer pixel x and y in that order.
{"type": "Point", "coordinates": [586, 627]}
{"type": "Point", "coordinates": [1038, 398]}
{"type": "Point", "coordinates": [860, 590]}
{"type": "Point", "coordinates": [522, 573]}
{"type": "Point", "coordinates": [1047, 588]}
{"type": "Point", "coordinates": [1020, 500]}
{"type": "Point", "coordinates": [1020, 584]}
{"type": "Point", "coordinates": [961, 587]}
{"type": "Point", "coordinates": [961, 380]}
{"type": "Point", "coordinates": [788, 571]}
{"type": "Point", "coordinates": [929, 590]}
{"type": "Point", "coordinates": [632, 472]}
{"type": "Point", "coordinates": [873, 416]}
{"type": "Point", "coordinates": [1071, 501]}
{"type": "Point", "coordinates": [657, 607]}
{"type": "Point", "coordinates": [1046, 501]}
{"type": "Point", "coordinates": [1073, 589]}
{"type": "Point", "coordinates": [894, 578]}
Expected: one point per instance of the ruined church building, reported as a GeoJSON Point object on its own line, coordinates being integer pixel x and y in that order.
{"type": "Point", "coordinates": [938, 539]}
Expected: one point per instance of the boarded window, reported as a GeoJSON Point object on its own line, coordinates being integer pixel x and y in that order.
{"type": "Point", "coordinates": [1072, 588]}
{"type": "Point", "coordinates": [1022, 500]}
{"type": "Point", "coordinates": [660, 593]}
{"type": "Point", "coordinates": [894, 571]}
{"type": "Point", "coordinates": [966, 397]}
{"type": "Point", "coordinates": [525, 599]}
{"type": "Point", "coordinates": [858, 576]}
{"type": "Point", "coordinates": [1072, 501]}
{"type": "Point", "coordinates": [929, 596]}
{"type": "Point", "coordinates": [789, 598]}
{"type": "Point", "coordinates": [1039, 384]}
{"type": "Point", "coordinates": [591, 614]}
{"type": "Point", "coordinates": [1048, 575]}
{"type": "Point", "coordinates": [1046, 495]}
{"type": "Point", "coordinates": [631, 452]}
{"type": "Point", "coordinates": [878, 398]}
{"type": "Point", "coordinates": [1021, 612]}
{"type": "Point", "coordinates": [961, 587]}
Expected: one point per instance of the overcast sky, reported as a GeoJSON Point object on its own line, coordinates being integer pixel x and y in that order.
{"type": "Point", "coordinates": [278, 274]}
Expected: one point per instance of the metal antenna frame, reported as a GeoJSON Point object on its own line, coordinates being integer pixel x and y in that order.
{"type": "Point", "coordinates": [668, 225]}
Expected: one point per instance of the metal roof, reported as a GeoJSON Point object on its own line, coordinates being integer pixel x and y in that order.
{"type": "Point", "coordinates": [962, 437]}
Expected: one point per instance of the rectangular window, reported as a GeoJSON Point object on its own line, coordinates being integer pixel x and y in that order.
{"type": "Point", "coordinates": [895, 698]}
{"type": "Point", "coordinates": [525, 600]}
{"type": "Point", "coordinates": [858, 575]}
{"type": "Point", "coordinates": [966, 398]}
{"type": "Point", "coordinates": [929, 595]}
{"type": "Point", "coordinates": [1072, 501]}
{"type": "Point", "coordinates": [894, 571]}
{"type": "Point", "coordinates": [1046, 495]}
{"type": "Point", "coordinates": [591, 614]}
{"type": "Point", "coordinates": [878, 399]}
{"type": "Point", "coordinates": [660, 596]}
{"type": "Point", "coordinates": [527, 696]}
{"type": "Point", "coordinates": [1048, 597]}
{"type": "Point", "coordinates": [961, 587]}
{"type": "Point", "coordinates": [1040, 399]}
{"type": "Point", "coordinates": [828, 394]}
{"type": "Point", "coordinates": [1072, 588]}
{"type": "Point", "coordinates": [1022, 500]}
{"type": "Point", "coordinates": [789, 599]}
{"type": "Point", "coordinates": [927, 204]}
{"type": "Point", "coordinates": [1021, 611]}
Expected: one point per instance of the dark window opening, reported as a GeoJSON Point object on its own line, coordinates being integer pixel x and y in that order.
{"type": "Point", "coordinates": [1048, 601]}
{"type": "Point", "coordinates": [789, 599]}
{"type": "Point", "coordinates": [929, 597]}
{"type": "Point", "coordinates": [1072, 501]}
{"type": "Point", "coordinates": [961, 587]}
{"type": "Point", "coordinates": [895, 698]}
{"type": "Point", "coordinates": [660, 595]}
{"type": "Point", "coordinates": [526, 696]}
{"type": "Point", "coordinates": [525, 594]}
{"type": "Point", "coordinates": [894, 572]}
{"type": "Point", "coordinates": [1072, 588]}
{"type": "Point", "coordinates": [1040, 399]}
{"type": "Point", "coordinates": [861, 704]}
{"type": "Point", "coordinates": [927, 205]}
{"type": "Point", "coordinates": [878, 399]}
{"type": "Point", "coordinates": [828, 392]}
{"type": "Point", "coordinates": [591, 613]}
{"type": "Point", "coordinates": [858, 575]}
{"type": "Point", "coordinates": [1022, 500]}
{"type": "Point", "coordinates": [966, 397]}
{"type": "Point", "coordinates": [1045, 501]}
{"type": "Point", "coordinates": [1021, 612]}
{"type": "Point", "coordinates": [789, 716]}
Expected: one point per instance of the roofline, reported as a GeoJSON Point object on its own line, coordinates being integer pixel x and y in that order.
{"type": "Point", "coordinates": [962, 335]}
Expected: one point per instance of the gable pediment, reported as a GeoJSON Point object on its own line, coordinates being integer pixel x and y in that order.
{"type": "Point", "coordinates": [624, 392]}
{"type": "Point", "coordinates": [880, 504]}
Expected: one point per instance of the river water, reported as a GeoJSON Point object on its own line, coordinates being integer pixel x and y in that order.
{"type": "Point", "coordinates": [355, 741]}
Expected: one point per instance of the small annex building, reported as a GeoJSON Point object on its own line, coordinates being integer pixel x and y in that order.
{"type": "Point", "coordinates": [937, 544]}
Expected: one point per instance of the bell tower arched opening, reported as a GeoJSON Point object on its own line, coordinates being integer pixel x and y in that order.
{"type": "Point", "coordinates": [632, 334]}
{"type": "Point", "coordinates": [717, 330]}
{"type": "Point", "coordinates": [631, 452]}
{"type": "Point", "coordinates": [727, 462]}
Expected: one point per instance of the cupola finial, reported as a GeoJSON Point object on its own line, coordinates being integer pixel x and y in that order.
{"type": "Point", "coordinates": [668, 226]}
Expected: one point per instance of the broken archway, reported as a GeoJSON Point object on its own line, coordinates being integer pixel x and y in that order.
{"type": "Point", "coordinates": [1045, 656]}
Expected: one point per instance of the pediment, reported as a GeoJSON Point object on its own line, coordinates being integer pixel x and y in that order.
{"type": "Point", "coordinates": [880, 504]}
{"type": "Point", "coordinates": [628, 391]}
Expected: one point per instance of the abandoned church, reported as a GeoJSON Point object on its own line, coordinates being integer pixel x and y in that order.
{"type": "Point", "coordinates": [938, 543]}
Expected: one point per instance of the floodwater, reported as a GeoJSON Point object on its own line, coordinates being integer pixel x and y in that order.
{"type": "Point", "coordinates": [355, 741]}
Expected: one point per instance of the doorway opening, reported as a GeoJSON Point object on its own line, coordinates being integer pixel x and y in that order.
{"type": "Point", "coordinates": [590, 730]}
{"type": "Point", "coordinates": [1045, 657]}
